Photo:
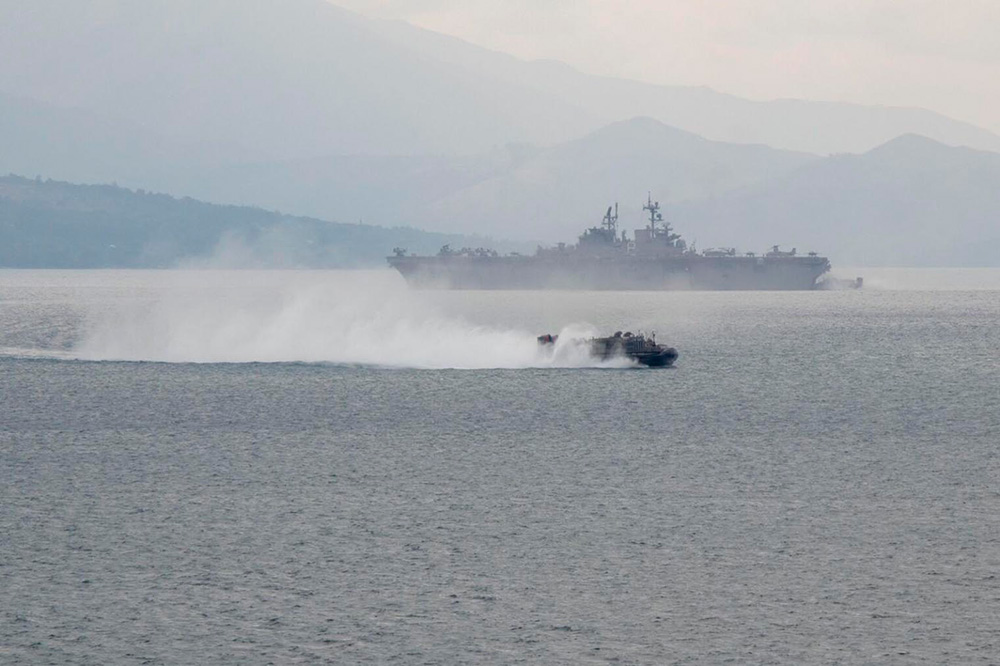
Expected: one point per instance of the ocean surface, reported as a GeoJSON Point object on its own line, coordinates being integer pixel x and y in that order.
{"type": "Point", "coordinates": [326, 467]}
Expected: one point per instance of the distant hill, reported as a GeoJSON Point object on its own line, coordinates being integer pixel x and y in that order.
{"type": "Point", "coordinates": [302, 78]}
{"type": "Point", "coordinates": [380, 190]}
{"type": "Point", "coordinates": [519, 191]}
{"type": "Point", "coordinates": [51, 224]}
{"type": "Point", "coordinates": [284, 80]}
{"type": "Point", "coordinates": [789, 124]}
{"type": "Point", "coordinates": [910, 202]}
{"type": "Point", "coordinates": [554, 193]}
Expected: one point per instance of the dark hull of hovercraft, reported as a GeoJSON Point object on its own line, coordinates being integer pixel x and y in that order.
{"type": "Point", "coordinates": [607, 349]}
{"type": "Point", "coordinates": [662, 359]}
{"type": "Point", "coordinates": [658, 359]}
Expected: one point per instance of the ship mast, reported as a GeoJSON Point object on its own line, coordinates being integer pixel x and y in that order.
{"type": "Point", "coordinates": [654, 214]}
{"type": "Point", "coordinates": [611, 221]}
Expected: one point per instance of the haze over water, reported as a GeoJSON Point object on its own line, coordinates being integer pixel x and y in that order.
{"type": "Point", "coordinates": [231, 467]}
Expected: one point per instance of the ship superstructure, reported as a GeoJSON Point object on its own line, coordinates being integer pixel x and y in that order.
{"type": "Point", "coordinates": [656, 259]}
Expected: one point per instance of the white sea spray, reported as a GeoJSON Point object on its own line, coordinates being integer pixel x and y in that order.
{"type": "Point", "coordinates": [353, 320]}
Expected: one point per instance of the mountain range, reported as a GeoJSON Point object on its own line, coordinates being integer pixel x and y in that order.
{"type": "Point", "coordinates": [304, 78]}
{"type": "Point", "coordinates": [911, 201]}
{"type": "Point", "coordinates": [308, 108]}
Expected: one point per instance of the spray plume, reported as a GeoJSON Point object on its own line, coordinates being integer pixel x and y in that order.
{"type": "Point", "coordinates": [356, 319]}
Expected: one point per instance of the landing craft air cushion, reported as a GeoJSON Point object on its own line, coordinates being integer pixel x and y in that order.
{"type": "Point", "coordinates": [635, 347]}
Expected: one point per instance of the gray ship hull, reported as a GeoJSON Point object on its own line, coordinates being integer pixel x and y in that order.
{"type": "Point", "coordinates": [689, 272]}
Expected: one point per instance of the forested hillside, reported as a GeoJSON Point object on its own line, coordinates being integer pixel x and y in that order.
{"type": "Point", "coordinates": [51, 224]}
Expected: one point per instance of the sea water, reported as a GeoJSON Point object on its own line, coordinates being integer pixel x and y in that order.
{"type": "Point", "coordinates": [323, 467]}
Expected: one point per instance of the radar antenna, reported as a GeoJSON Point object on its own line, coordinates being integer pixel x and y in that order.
{"type": "Point", "coordinates": [611, 220]}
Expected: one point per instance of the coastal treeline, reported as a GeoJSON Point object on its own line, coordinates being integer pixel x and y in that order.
{"type": "Point", "coordinates": [53, 224]}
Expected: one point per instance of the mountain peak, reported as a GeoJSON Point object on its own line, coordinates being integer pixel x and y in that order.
{"type": "Point", "coordinates": [908, 143]}
{"type": "Point", "coordinates": [913, 149]}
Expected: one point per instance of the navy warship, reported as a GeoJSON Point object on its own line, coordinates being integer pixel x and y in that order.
{"type": "Point", "coordinates": [655, 259]}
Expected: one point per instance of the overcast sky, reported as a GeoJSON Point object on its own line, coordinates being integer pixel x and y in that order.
{"type": "Point", "coordinates": [942, 55]}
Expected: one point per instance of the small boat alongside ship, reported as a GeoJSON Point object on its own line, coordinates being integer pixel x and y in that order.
{"type": "Point", "coordinates": [635, 346]}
